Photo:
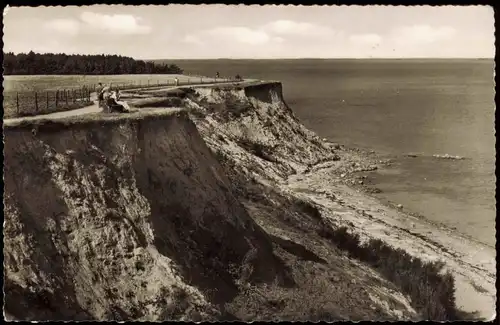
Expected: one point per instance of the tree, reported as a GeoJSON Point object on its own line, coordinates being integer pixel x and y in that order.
{"type": "Point", "coordinates": [60, 63]}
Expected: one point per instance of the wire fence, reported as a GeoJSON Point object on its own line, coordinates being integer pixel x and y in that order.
{"type": "Point", "coordinates": [29, 103]}
{"type": "Point", "coordinates": [166, 83]}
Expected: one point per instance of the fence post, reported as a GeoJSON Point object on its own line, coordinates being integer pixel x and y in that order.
{"type": "Point", "coordinates": [66, 96]}
{"type": "Point", "coordinates": [57, 95]}
{"type": "Point", "coordinates": [17, 102]}
{"type": "Point", "coordinates": [148, 82]}
{"type": "Point", "coordinates": [47, 96]}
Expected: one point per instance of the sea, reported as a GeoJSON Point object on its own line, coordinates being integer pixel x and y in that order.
{"type": "Point", "coordinates": [406, 110]}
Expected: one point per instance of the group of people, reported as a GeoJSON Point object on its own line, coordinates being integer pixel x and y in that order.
{"type": "Point", "coordinates": [109, 99]}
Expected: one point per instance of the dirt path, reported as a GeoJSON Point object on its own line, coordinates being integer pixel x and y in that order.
{"type": "Point", "coordinates": [94, 108]}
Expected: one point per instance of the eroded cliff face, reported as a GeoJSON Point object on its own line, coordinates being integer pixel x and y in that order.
{"type": "Point", "coordinates": [259, 130]}
{"type": "Point", "coordinates": [126, 219]}
{"type": "Point", "coordinates": [262, 145]}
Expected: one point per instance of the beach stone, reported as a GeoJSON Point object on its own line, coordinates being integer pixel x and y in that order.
{"type": "Point", "coordinates": [400, 206]}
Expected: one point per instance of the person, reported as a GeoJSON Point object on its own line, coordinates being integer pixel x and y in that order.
{"type": "Point", "coordinates": [102, 94]}
{"type": "Point", "coordinates": [98, 90]}
{"type": "Point", "coordinates": [114, 102]}
{"type": "Point", "coordinates": [217, 75]}
{"type": "Point", "coordinates": [176, 81]}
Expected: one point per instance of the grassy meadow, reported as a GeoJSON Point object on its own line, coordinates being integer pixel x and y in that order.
{"type": "Point", "coordinates": [20, 89]}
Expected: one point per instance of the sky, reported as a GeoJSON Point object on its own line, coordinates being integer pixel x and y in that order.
{"type": "Point", "coordinates": [255, 32]}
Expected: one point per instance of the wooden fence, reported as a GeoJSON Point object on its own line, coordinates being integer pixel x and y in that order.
{"type": "Point", "coordinates": [41, 102]}
{"type": "Point", "coordinates": [17, 104]}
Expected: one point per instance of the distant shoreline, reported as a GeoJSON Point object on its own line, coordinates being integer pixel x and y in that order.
{"type": "Point", "coordinates": [324, 59]}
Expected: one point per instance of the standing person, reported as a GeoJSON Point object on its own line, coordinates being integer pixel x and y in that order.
{"type": "Point", "coordinates": [176, 81]}
{"type": "Point", "coordinates": [217, 75]}
{"type": "Point", "coordinates": [99, 94]}
{"type": "Point", "coordinates": [104, 95]}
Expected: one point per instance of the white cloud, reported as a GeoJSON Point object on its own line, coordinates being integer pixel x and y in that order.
{"type": "Point", "coordinates": [422, 34]}
{"type": "Point", "coordinates": [63, 26]}
{"type": "Point", "coordinates": [114, 24]}
{"type": "Point", "coordinates": [91, 22]}
{"type": "Point", "coordinates": [191, 39]}
{"type": "Point", "coordinates": [273, 33]}
{"type": "Point", "coordinates": [366, 39]}
{"type": "Point", "coordinates": [239, 34]}
{"type": "Point", "coordinates": [289, 27]}
{"type": "Point", "coordinates": [228, 34]}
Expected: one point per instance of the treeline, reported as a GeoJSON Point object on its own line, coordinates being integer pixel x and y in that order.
{"type": "Point", "coordinates": [49, 64]}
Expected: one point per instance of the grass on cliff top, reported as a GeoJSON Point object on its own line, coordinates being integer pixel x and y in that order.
{"type": "Point", "coordinates": [47, 124]}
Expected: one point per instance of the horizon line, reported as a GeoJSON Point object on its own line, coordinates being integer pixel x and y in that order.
{"type": "Point", "coordinates": [278, 58]}
{"type": "Point", "coordinates": [333, 58]}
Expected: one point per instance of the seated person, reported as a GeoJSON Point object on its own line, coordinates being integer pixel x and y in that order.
{"type": "Point", "coordinates": [114, 102]}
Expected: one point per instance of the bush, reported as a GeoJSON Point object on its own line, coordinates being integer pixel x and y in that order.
{"type": "Point", "coordinates": [196, 113]}
{"type": "Point", "coordinates": [432, 294]}
{"type": "Point", "coordinates": [219, 155]}
{"type": "Point", "coordinates": [258, 149]}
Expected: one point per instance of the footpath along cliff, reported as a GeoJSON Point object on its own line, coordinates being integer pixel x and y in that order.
{"type": "Point", "coordinates": [228, 208]}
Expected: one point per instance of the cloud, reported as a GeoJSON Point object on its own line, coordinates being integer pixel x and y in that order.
{"type": "Point", "coordinates": [366, 39]}
{"type": "Point", "coordinates": [289, 27]}
{"type": "Point", "coordinates": [239, 34]}
{"type": "Point", "coordinates": [278, 39]}
{"type": "Point", "coordinates": [422, 34]}
{"type": "Point", "coordinates": [192, 39]}
{"type": "Point", "coordinates": [114, 24]}
{"type": "Point", "coordinates": [91, 23]}
{"type": "Point", "coordinates": [229, 34]}
{"type": "Point", "coordinates": [275, 32]}
{"type": "Point", "coordinates": [63, 26]}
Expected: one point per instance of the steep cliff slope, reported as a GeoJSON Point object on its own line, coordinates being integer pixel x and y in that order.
{"type": "Point", "coordinates": [256, 123]}
{"type": "Point", "coordinates": [110, 219]}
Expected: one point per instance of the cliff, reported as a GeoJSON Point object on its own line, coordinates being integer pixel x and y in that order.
{"type": "Point", "coordinates": [100, 214]}
{"type": "Point", "coordinates": [191, 214]}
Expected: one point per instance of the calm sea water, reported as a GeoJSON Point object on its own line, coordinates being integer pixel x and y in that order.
{"type": "Point", "coordinates": [397, 107]}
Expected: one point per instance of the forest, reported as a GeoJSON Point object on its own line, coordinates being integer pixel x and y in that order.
{"type": "Point", "coordinates": [63, 64]}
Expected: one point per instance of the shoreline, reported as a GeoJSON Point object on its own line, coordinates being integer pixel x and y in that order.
{"type": "Point", "coordinates": [471, 262]}
{"type": "Point", "coordinates": [386, 161]}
